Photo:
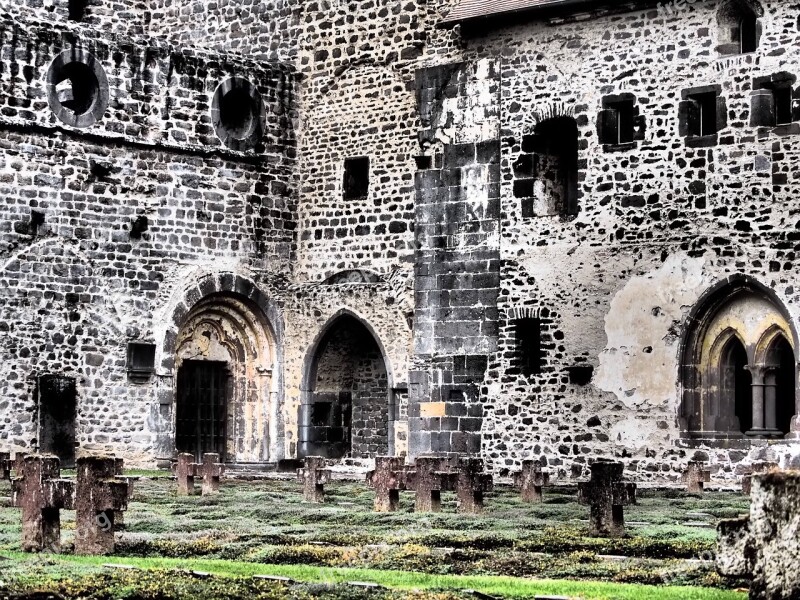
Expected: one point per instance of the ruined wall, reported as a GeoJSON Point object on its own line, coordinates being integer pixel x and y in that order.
{"type": "Point", "coordinates": [264, 31]}
{"type": "Point", "coordinates": [102, 225]}
{"type": "Point", "coordinates": [659, 223]}
{"type": "Point", "coordinates": [112, 16]}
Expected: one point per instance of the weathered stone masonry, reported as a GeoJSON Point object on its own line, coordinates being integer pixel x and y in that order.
{"type": "Point", "coordinates": [527, 273]}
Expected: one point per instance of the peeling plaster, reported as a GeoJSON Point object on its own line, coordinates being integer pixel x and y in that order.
{"type": "Point", "coordinates": [639, 364]}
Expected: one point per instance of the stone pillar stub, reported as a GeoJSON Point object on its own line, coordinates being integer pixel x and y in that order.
{"type": "Point", "coordinates": [314, 475]}
{"type": "Point", "coordinates": [765, 545]}
{"type": "Point", "coordinates": [606, 494]}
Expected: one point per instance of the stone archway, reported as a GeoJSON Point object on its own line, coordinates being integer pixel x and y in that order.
{"type": "Point", "coordinates": [225, 352]}
{"type": "Point", "coordinates": [738, 373]}
{"type": "Point", "coordinates": [347, 405]}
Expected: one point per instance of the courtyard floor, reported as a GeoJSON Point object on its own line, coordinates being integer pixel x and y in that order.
{"type": "Point", "coordinates": [212, 547]}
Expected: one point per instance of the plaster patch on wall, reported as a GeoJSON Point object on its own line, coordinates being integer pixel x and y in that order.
{"type": "Point", "coordinates": [640, 361]}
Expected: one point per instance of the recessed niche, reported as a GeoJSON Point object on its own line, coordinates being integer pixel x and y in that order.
{"type": "Point", "coordinates": [238, 114]}
{"type": "Point", "coordinates": [141, 361]}
{"type": "Point", "coordinates": [77, 88]}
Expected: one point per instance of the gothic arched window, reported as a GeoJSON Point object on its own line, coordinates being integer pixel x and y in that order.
{"type": "Point", "coordinates": [738, 27]}
{"type": "Point", "coordinates": [739, 369]}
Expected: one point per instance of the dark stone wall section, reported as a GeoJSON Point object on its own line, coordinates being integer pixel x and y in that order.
{"type": "Point", "coordinates": [457, 280]}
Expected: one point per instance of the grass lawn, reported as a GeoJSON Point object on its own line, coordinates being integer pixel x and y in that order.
{"type": "Point", "coordinates": [263, 527]}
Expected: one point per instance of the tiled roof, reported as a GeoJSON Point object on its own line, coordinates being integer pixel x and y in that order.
{"type": "Point", "coordinates": [475, 9]}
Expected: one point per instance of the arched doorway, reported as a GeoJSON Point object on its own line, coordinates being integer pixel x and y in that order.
{"type": "Point", "coordinates": [225, 388]}
{"type": "Point", "coordinates": [738, 374]}
{"type": "Point", "coordinates": [345, 409]}
{"type": "Point", "coordinates": [779, 385]}
{"type": "Point", "coordinates": [737, 383]}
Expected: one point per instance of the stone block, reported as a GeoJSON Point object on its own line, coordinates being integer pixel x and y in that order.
{"type": "Point", "coordinates": [766, 544]}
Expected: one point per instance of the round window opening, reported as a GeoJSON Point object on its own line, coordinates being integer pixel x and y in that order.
{"type": "Point", "coordinates": [77, 88]}
{"type": "Point", "coordinates": [238, 114]}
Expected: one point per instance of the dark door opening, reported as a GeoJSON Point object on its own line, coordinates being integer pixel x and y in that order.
{"type": "Point", "coordinates": [201, 417]}
{"type": "Point", "coordinates": [743, 386]}
{"type": "Point", "coordinates": [58, 410]}
{"type": "Point", "coordinates": [786, 386]}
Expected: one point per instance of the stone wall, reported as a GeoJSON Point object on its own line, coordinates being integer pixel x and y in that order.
{"type": "Point", "coordinates": [130, 17]}
{"type": "Point", "coordinates": [660, 222]}
{"type": "Point", "coordinates": [102, 225]}
{"type": "Point", "coordinates": [263, 31]}
{"type": "Point", "coordinates": [461, 205]}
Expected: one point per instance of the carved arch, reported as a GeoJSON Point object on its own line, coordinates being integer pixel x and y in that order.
{"type": "Point", "coordinates": [704, 336]}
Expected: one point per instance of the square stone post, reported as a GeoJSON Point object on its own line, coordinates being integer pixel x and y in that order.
{"type": "Point", "coordinates": [606, 494]}
{"type": "Point", "coordinates": [387, 479]}
{"type": "Point", "coordinates": [41, 495]}
{"type": "Point", "coordinates": [99, 495]}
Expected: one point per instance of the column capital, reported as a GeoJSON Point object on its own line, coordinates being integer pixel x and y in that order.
{"type": "Point", "coordinates": [759, 371]}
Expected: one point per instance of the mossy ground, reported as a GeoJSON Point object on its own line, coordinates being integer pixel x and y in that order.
{"type": "Point", "coordinates": [267, 523]}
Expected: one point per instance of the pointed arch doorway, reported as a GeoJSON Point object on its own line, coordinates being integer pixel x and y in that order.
{"type": "Point", "coordinates": [347, 405]}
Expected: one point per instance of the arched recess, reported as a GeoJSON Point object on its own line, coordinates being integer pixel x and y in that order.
{"type": "Point", "coordinates": [738, 321]}
{"type": "Point", "coordinates": [225, 350]}
{"type": "Point", "coordinates": [546, 172]}
{"type": "Point", "coordinates": [739, 26]}
{"type": "Point", "coordinates": [347, 407]}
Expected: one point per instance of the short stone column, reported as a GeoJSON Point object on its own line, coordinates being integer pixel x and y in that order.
{"type": "Point", "coordinates": [471, 485]}
{"type": "Point", "coordinates": [387, 479]}
{"type": "Point", "coordinates": [41, 494]}
{"type": "Point", "coordinates": [765, 545]}
{"type": "Point", "coordinates": [607, 494]}
{"type": "Point", "coordinates": [212, 471]}
{"type": "Point", "coordinates": [185, 472]}
{"type": "Point", "coordinates": [530, 480]}
{"type": "Point", "coordinates": [99, 496]}
{"type": "Point", "coordinates": [695, 476]}
{"type": "Point", "coordinates": [757, 372]}
{"type": "Point", "coordinates": [753, 469]}
{"type": "Point", "coordinates": [314, 476]}
{"type": "Point", "coordinates": [431, 476]}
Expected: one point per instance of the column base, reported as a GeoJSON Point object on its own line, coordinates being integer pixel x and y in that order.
{"type": "Point", "coordinates": [764, 433]}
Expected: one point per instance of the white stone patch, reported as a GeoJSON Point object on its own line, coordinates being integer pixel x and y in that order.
{"type": "Point", "coordinates": [640, 361]}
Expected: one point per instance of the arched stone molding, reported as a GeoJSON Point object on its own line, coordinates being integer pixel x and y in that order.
{"type": "Point", "coordinates": [307, 446]}
{"type": "Point", "coordinates": [742, 308]}
{"type": "Point", "coordinates": [739, 26]}
{"type": "Point", "coordinates": [225, 317]}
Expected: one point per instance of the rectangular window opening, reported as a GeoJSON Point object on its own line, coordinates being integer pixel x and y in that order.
{"type": "Point", "coordinates": [528, 338]}
{"type": "Point", "coordinates": [617, 122]}
{"type": "Point", "coordinates": [783, 105]}
{"type": "Point", "coordinates": [141, 358]}
{"type": "Point", "coordinates": [356, 178]}
{"type": "Point", "coordinates": [702, 113]}
{"type": "Point", "coordinates": [707, 104]}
